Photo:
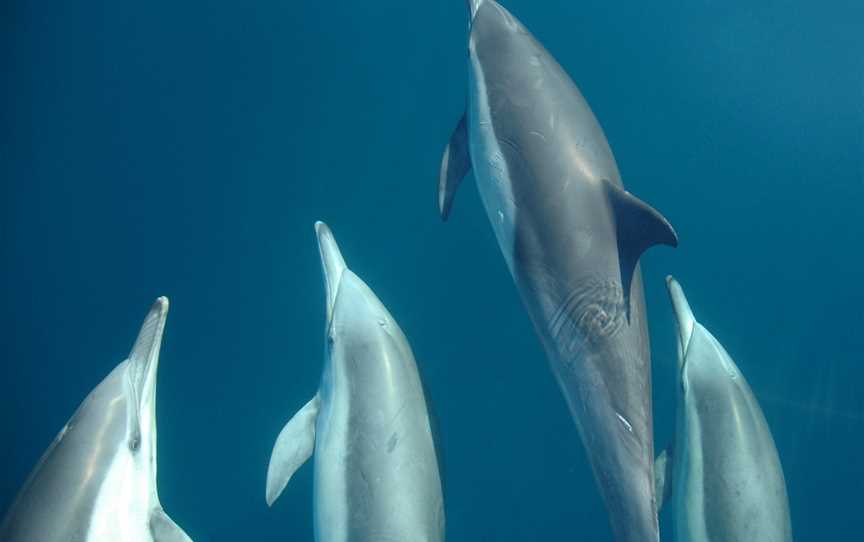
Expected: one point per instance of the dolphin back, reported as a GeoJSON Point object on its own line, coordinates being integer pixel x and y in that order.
{"type": "Point", "coordinates": [572, 238]}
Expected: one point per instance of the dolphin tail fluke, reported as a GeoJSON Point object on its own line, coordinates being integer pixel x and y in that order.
{"type": "Point", "coordinates": [455, 164]}
{"type": "Point", "coordinates": [163, 528]}
{"type": "Point", "coordinates": [293, 447]}
{"type": "Point", "coordinates": [639, 227]}
{"type": "Point", "coordinates": [663, 477]}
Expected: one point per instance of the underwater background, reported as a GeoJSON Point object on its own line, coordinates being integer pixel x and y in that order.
{"type": "Point", "coordinates": [185, 149]}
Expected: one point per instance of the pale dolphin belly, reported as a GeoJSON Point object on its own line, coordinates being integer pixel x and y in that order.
{"type": "Point", "coordinates": [490, 168]}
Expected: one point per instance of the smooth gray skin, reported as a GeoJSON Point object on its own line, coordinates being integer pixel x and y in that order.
{"type": "Point", "coordinates": [723, 472]}
{"type": "Point", "coordinates": [571, 237]}
{"type": "Point", "coordinates": [97, 480]}
{"type": "Point", "coordinates": [376, 471]}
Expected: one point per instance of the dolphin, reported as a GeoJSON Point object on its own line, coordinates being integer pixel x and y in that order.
{"type": "Point", "coordinates": [375, 467]}
{"type": "Point", "coordinates": [97, 480]}
{"type": "Point", "coordinates": [722, 473]}
{"type": "Point", "coordinates": [571, 237]}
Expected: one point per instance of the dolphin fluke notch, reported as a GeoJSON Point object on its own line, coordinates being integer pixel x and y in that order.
{"type": "Point", "coordinates": [455, 164]}
{"type": "Point", "coordinates": [639, 227]}
{"type": "Point", "coordinates": [683, 315]}
{"type": "Point", "coordinates": [332, 262]}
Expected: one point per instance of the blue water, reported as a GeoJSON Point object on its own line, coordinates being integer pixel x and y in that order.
{"type": "Point", "coordinates": [186, 148]}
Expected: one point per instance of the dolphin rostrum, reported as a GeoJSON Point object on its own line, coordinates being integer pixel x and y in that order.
{"type": "Point", "coordinates": [376, 471]}
{"type": "Point", "coordinates": [722, 472]}
{"type": "Point", "coordinates": [97, 480]}
{"type": "Point", "coordinates": [572, 237]}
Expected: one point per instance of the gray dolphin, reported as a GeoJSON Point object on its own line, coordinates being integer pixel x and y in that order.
{"type": "Point", "coordinates": [723, 472]}
{"type": "Point", "coordinates": [97, 480]}
{"type": "Point", "coordinates": [572, 237]}
{"type": "Point", "coordinates": [376, 471]}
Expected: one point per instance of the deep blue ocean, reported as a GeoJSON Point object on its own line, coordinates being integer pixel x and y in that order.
{"type": "Point", "coordinates": [186, 148]}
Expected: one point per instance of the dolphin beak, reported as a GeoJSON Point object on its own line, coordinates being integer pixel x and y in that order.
{"type": "Point", "coordinates": [144, 358]}
{"type": "Point", "coordinates": [473, 6]}
{"type": "Point", "coordinates": [683, 315]}
{"type": "Point", "coordinates": [332, 263]}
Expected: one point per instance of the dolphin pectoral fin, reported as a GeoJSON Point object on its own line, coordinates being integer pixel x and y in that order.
{"type": "Point", "coordinates": [663, 477]}
{"type": "Point", "coordinates": [163, 528]}
{"type": "Point", "coordinates": [639, 227]}
{"type": "Point", "coordinates": [293, 447]}
{"type": "Point", "coordinates": [455, 164]}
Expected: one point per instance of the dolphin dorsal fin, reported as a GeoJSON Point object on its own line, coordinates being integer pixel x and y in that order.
{"type": "Point", "coordinates": [163, 528]}
{"type": "Point", "coordinates": [142, 361]}
{"type": "Point", "coordinates": [639, 227]}
{"type": "Point", "coordinates": [455, 164]}
{"type": "Point", "coordinates": [293, 447]}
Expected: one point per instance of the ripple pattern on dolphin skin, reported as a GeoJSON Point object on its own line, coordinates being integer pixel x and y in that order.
{"type": "Point", "coordinates": [592, 313]}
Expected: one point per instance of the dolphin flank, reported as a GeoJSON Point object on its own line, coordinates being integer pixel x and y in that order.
{"type": "Point", "coordinates": [571, 237]}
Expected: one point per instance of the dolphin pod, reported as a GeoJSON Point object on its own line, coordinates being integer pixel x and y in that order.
{"type": "Point", "coordinates": [571, 236]}
{"type": "Point", "coordinates": [97, 480]}
{"type": "Point", "coordinates": [722, 473]}
{"type": "Point", "coordinates": [376, 470]}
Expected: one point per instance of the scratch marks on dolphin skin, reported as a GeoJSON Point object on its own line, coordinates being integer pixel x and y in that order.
{"type": "Point", "coordinates": [391, 444]}
{"type": "Point", "coordinates": [624, 421]}
{"type": "Point", "coordinates": [535, 133]}
{"type": "Point", "coordinates": [591, 313]}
